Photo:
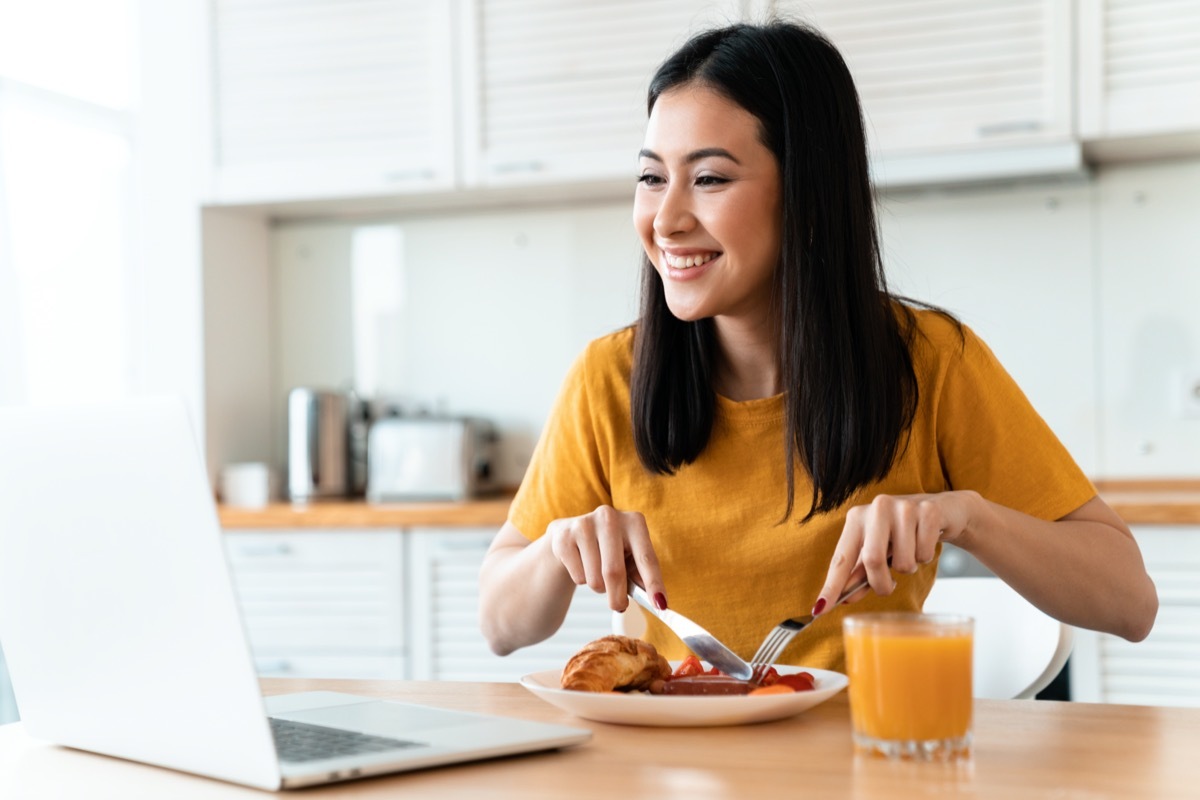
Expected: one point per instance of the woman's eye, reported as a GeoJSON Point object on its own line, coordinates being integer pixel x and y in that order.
{"type": "Point", "coordinates": [650, 179]}
{"type": "Point", "coordinates": [710, 180]}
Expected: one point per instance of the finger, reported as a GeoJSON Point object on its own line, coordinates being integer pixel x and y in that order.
{"type": "Point", "coordinates": [904, 537]}
{"type": "Point", "coordinates": [612, 564]}
{"type": "Point", "coordinates": [588, 532]}
{"type": "Point", "coordinates": [857, 575]}
{"type": "Point", "coordinates": [877, 540]}
{"type": "Point", "coordinates": [845, 559]}
{"type": "Point", "coordinates": [566, 550]}
{"type": "Point", "coordinates": [641, 551]}
{"type": "Point", "coordinates": [930, 529]}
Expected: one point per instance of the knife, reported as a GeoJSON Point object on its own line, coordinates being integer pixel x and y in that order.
{"type": "Point", "coordinates": [698, 640]}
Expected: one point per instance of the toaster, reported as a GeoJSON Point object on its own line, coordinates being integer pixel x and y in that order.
{"type": "Point", "coordinates": [429, 458]}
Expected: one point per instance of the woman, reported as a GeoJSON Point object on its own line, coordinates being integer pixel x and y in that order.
{"type": "Point", "coordinates": [776, 425]}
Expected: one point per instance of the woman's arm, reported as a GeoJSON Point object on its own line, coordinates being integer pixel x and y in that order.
{"type": "Point", "coordinates": [1084, 569]}
{"type": "Point", "coordinates": [525, 588]}
{"type": "Point", "coordinates": [524, 592]}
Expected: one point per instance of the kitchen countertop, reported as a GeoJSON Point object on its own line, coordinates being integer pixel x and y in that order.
{"type": "Point", "coordinates": [1174, 501]}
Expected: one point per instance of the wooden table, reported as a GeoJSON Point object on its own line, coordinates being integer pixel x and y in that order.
{"type": "Point", "coordinates": [1023, 749]}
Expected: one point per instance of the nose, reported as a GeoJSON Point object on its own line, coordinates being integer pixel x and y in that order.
{"type": "Point", "coordinates": [674, 213]}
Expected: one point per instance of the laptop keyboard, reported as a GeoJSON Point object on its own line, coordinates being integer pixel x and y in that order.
{"type": "Point", "coordinates": [300, 741]}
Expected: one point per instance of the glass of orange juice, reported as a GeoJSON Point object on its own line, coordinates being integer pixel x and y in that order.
{"type": "Point", "coordinates": [910, 684]}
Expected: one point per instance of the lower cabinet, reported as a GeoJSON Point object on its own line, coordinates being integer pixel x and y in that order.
{"type": "Point", "coordinates": [327, 604]}
{"type": "Point", "coordinates": [1163, 670]}
{"type": "Point", "coordinates": [444, 595]}
{"type": "Point", "coordinates": [385, 604]}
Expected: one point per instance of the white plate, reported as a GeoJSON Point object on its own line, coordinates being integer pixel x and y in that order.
{"type": "Point", "coordinates": [638, 708]}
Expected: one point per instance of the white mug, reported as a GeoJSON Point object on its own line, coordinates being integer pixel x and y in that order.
{"type": "Point", "coordinates": [246, 485]}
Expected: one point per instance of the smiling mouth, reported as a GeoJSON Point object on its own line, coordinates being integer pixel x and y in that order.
{"type": "Point", "coordinates": [687, 262]}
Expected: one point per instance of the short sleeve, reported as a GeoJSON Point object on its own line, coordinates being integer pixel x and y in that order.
{"type": "Point", "coordinates": [992, 440]}
{"type": "Point", "coordinates": [566, 475]}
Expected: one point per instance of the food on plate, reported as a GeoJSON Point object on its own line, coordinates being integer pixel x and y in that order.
{"type": "Point", "coordinates": [700, 684]}
{"type": "Point", "coordinates": [615, 663]}
{"type": "Point", "coordinates": [621, 663]}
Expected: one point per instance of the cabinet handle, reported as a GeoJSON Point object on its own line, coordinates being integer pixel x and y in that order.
{"type": "Point", "coordinates": [509, 167]}
{"type": "Point", "coordinates": [263, 550]}
{"type": "Point", "coordinates": [406, 175]}
{"type": "Point", "coordinates": [1003, 128]}
{"type": "Point", "coordinates": [283, 665]}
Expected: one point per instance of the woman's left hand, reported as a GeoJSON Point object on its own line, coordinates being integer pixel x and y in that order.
{"type": "Point", "coordinates": [902, 529]}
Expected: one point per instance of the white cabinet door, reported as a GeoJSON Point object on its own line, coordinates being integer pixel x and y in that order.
{"type": "Point", "coordinates": [330, 98]}
{"type": "Point", "coordinates": [322, 603]}
{"type": "Point", "coordinates": [444, 594]}
{"type": "Point", "coordinates": [956, 91]}
{"type": "Point", "coordinates": [1139, 68]}
{"type": "Point", "coordinates": [556, 91]}
{"type": "Point", "coordinates": [1164, 669]}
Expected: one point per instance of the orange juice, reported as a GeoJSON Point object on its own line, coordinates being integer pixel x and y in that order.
{"type": "Point", "coordinates": [910, 681]}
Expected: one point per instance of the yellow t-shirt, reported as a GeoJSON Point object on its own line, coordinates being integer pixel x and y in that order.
{"type": "Point", "coordinates": [726, 562]}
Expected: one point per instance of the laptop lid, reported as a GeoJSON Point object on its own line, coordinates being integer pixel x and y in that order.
{"type": "Point", "coordinates": [117, 615]}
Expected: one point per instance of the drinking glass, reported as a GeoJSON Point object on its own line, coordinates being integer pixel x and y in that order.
{"type": "Point", "coordinates": [910, 684]}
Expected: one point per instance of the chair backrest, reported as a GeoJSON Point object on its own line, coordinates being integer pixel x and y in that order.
{"type": "Point", "coordinates": [1018, 648]}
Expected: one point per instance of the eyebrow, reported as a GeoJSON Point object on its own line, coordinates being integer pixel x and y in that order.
{"type": "Point", "coordinates": [695, 155]}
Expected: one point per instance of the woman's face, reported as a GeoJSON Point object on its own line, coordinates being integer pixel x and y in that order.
{"type": "Point", "coordinates": [708, 206]}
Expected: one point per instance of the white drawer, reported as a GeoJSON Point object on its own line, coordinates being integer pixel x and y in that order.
{"type": "Point", "coordinates": [320, 590]}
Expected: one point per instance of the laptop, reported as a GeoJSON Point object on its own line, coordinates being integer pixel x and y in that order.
{"type": "Point", "coordinates": [121, 628]}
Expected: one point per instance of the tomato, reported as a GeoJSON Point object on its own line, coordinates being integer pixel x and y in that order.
{"type": "Point", "coordinates": [775, 688]}
{"type": "Point", "coordinates": [771, 678]}
{"type": "Point", "coordinates": [801, 681]}
{"type": "Point", "coordinates": [714, 671]}
{"type": "Point", "coordinates": [689, 666]}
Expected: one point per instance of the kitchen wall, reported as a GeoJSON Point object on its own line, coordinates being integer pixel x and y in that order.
{"type": "Point", "coordinates": [1085, 289]}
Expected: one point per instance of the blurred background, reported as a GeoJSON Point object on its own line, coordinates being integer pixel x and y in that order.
{"type": "Point", "coordinates": [430, 202]}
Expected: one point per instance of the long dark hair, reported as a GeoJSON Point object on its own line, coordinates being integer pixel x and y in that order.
{"type": "Point", "coordinates": [844, 345]}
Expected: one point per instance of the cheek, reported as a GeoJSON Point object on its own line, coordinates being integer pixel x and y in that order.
{"type": "Point", "coordinates": [643, 221]}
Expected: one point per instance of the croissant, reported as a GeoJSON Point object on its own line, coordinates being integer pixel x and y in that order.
{"type": "Point", "coordinates": [614, 662]}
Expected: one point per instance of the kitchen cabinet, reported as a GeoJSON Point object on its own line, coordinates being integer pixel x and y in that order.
{"type": "Point", "coordinates": [1139, 77]}
{"type": "Point", "coordinates": [322, 603]}
{"type": "Point", "coordinates": [444, 591]}
{"type": "Point", "coordinates": [321, 99]}
{"type": "Point", "coordinates": [556, 91]}
{"type": "Point", "coordinates": [383, 603]}
{"type": "Point", "coordinates": [327, 98]}
{"type": "Point", "coordinates": [957, 91]}
{"type": "Point", "coordinates": [1165, 668]}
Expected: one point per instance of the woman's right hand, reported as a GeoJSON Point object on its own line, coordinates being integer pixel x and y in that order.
{"type": "Point", "coordinates": [606, 548]}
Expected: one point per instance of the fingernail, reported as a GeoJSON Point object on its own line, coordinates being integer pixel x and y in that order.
{"type": "Point", "coordinates": [660, 601]}
{"type": "Point", "coordinates": [819, 607]}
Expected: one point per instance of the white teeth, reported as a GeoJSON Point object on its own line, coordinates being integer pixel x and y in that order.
{"type": "Point", "coordinates": [683, 262]}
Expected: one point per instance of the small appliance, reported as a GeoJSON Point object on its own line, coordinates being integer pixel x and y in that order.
{"type": "Point", "coordinates": [318, 444]}
{"type": "Point", "coordinates": [429, 458]}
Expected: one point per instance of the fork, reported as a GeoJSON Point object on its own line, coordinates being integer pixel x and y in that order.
{"type": "Point", "coordinates": [783, 633]}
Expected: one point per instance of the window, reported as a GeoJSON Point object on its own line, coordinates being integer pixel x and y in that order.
{"type": "Point", "coordinates": [67, 93]}
{"type": "Point", "coordinates": [67, 99]}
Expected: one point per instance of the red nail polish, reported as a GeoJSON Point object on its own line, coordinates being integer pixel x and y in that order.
{"type": "Point", "coordinates": [660, 601]}
{"type": "Point", "coordinates": [819, 607]}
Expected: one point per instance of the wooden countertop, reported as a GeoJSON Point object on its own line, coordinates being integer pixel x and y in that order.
{"type": "Point", "coordinates": [1023, 748]}
{"type": "Point", "coordinates": [1174, 501]}
{"type": "Point", "coordinates": [485, 512]}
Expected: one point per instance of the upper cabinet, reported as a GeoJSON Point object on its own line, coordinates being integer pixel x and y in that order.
{"type": "Point", "coordinates": [1139, 76]}
{"type": "Point", "coordinates": [375, 101]}
{"type": "Point", "coordinates": [328, 98]}
{"type": "Point", "coordinates": [957, 91]}
{"type": "Point", "coordinates": [556, 91]}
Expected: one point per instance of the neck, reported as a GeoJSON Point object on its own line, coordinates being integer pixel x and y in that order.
{"type": "Point", "coordinates": [749, 363]}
